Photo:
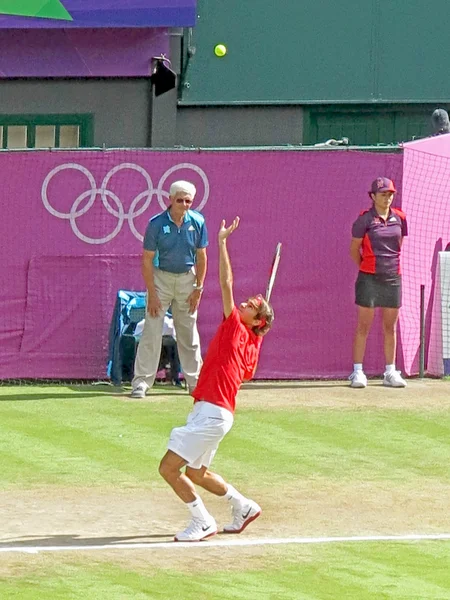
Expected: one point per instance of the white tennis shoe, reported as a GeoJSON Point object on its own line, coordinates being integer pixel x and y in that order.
{"type": "Point", "coordinates": [358, 379]}
{"type": "Point", "coordinates": [196, 531]}
{"type": "Point", "coordinates": [139, 391]}
{"type": "Point", "coordinates": [242, 517]}
{"type": "Point", "coordinates": [394, 379]}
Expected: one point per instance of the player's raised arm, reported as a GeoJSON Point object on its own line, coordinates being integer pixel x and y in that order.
{"type": "Point", "coordinates": [225, 272]}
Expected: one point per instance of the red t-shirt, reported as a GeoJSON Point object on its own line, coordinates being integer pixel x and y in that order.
{"type": "Point", "coordinates": [231, 358]}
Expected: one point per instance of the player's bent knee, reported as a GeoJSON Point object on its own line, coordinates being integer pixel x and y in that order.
{"type": "Point", "coordinates": [161, 470]}
{"type": "Point", "coordinates": [165, 471]}
{"type": "Point", "coordinates": [195, 475]}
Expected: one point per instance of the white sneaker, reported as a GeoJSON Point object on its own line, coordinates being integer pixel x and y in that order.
{"type": "Point", "coordinates": [394, 379]}
{"type": "Point", "coordinates": [242, 517]}
{"type": "Point", "coordinates": [139, 391]}
{"type": "Point", "coordinates": [196, 531]}
{"type": "Point", "coordinates": [358, 379]}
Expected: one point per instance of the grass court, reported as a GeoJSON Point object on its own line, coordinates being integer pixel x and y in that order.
{"type": "Point", "coordinates": [84, 513]}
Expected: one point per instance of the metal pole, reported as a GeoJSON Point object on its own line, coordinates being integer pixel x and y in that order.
{"type": "Point", "coordinates": [422, 333]}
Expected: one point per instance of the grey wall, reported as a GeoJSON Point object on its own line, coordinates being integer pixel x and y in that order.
{"type": "Point", "coordinates": [123, 112]}
{"type": "Point", "coordinates": [121, 108]}
{"type": "Point", "coordinates": [164, 107]}
{"type": "Point", "coordinates": [239, 126]}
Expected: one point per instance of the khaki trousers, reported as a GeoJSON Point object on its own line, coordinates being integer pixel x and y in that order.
{"type": "Point", "coordinates": [172, 289]}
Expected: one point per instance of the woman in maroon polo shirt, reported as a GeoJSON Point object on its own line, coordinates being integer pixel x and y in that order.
{"type": "Point", "coordinates": [377, 236]}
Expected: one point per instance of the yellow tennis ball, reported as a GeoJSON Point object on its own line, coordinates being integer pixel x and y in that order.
{"type": "Point", "coordinates": [220, 50]}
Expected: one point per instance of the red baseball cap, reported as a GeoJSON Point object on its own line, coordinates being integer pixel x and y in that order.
{"type": "Point", "coordinates": [382, 184]}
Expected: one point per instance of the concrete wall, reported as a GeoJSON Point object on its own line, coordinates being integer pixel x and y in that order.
{"type": "Point", "coordinates": [239, 126]}
{"type": "Point", "coordinates": [121, 108]}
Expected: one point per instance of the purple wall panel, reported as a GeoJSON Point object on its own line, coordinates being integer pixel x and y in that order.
{"type": "Point", "coordinates": [80, 53]}
{"type": "Point", "coordinates": [76, 246]}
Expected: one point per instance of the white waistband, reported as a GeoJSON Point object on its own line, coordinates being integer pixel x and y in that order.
{"type": "Point", "coordinates": [212, 410]}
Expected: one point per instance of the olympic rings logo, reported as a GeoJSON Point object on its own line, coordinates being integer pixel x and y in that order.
{"type": "Point", "coordinates": [107, 196]}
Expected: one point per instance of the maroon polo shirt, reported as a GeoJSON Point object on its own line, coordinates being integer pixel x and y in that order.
{"type": "Point", "coordinates": [381, 240]}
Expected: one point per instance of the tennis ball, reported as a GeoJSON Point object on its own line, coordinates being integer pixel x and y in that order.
{"type": "Point", "coordinates": [220, 50]}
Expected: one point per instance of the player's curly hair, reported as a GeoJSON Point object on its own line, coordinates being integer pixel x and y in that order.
{"type": "Point", "coordinates": [265, 313]}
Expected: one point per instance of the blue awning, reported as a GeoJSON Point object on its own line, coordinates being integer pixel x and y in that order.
{"type": "Point", "coordinates": [67, 14]}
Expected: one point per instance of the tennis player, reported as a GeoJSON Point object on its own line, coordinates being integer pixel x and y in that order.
{"type": "Point", "coordinates": [377, 237]}
{"type": "Point", "coordinates": [231, 359]}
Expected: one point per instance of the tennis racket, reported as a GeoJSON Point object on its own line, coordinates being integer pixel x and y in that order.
{"type": "Point", "coordinates": [273, 271]}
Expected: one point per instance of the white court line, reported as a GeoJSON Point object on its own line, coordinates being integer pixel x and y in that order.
{"type": "Point", "coordinates": [411, 537]}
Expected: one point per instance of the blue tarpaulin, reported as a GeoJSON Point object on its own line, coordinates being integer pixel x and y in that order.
{"type": "Point", "coordinates": [67, 14]}
{"type": "Point", "coordinates": [128, 310]}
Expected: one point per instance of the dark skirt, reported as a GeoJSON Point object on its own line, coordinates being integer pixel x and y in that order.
{"type": "Point", "coordinates": [378, 291]}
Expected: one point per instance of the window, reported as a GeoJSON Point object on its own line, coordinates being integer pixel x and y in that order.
{"type": "Point", "coordinates": [16, 136]}
{"type": "Point", "coordinates": [46, 131]}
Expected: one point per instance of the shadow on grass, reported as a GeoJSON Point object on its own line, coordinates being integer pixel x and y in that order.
{"type": "Point", "coordinates": [86, 392]}
{"type": "Point", "coordinates": [69, 540]}
{"type": "Point", "coordinates": [66, 393]}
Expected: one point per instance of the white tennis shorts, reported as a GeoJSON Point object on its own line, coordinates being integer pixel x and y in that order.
{"type": "Point", "coordinates": [198, 440]}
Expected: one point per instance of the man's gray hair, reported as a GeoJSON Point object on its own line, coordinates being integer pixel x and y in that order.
{"type": "Point", "coordinates": [183, 186]}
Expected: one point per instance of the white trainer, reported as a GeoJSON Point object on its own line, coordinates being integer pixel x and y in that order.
{"type": "Point", "coordinates": [196, 531]}
{"type": "Point", "coordinates": [242, 517]}
{"type": "Point", "coordinates": [139, 391]}
{"type": "Point", "coordinates": [394, 379]}
{"type": "Point", "coordinates": [358, 379]}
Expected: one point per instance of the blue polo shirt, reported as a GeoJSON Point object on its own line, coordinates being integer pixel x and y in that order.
{"type": "Point", "coordinates": [175, 246]}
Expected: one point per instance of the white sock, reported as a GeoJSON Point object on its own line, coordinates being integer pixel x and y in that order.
{"type": "Point", "coordinates": [235, 497]}
{"type": "Point", "coordinates": [198, 509]}
{"type": "Point", "coordinates": [357, 367]}
{"type": "Point", "coordinates": [390, 368]}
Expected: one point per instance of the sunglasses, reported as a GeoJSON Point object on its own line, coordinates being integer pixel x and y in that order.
{"type": "Point", "coordinates": [184, 201]}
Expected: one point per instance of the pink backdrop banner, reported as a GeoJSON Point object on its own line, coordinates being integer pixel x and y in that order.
{"type": "Point", "coordinates": [71, 236]}
{"type": "Point", "coordinates": [426, 193]}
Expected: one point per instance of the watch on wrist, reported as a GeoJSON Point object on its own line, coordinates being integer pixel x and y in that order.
{"type": "Point", "coordinates": [198, 288]}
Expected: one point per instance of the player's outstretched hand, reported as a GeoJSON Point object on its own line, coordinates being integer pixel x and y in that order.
{"type": "Point", "coordinates": [224, 232]}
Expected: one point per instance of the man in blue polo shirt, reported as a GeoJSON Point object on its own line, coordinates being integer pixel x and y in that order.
{"type": "Point", "coordinates": [174, 269]}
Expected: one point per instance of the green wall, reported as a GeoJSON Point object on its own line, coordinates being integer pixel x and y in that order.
{"type": "Point", "coordinates": [318, 51]}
